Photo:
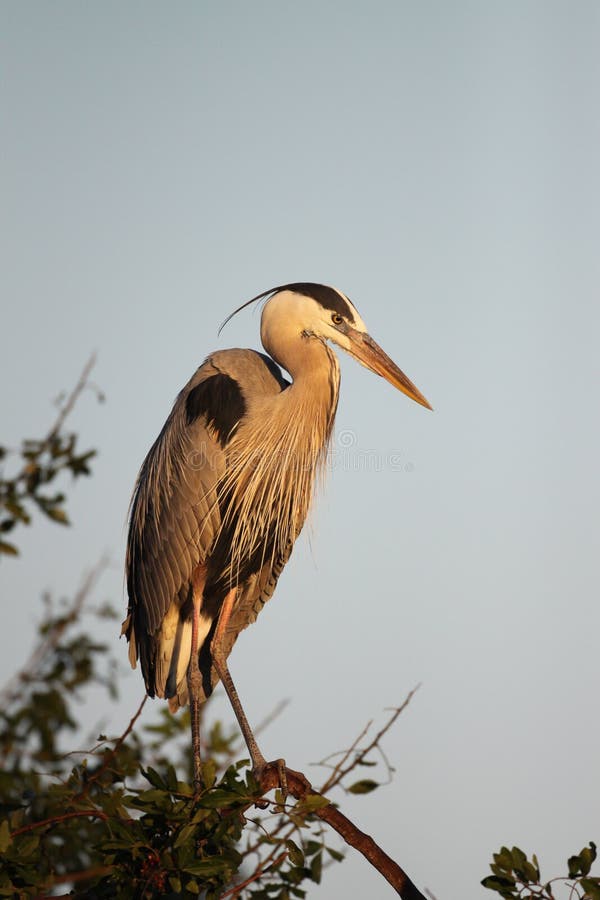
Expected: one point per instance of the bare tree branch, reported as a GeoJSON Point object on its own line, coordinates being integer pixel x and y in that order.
{"type": "Point", "coordinates": [273, 859]}
{"type": "Point", "coordinates": [63, 817]}
{"type": "Point", "coordinates": [347, 764]}
{"type": "Point", "coordinates": [300, 788]}
{"type": "Point", "coordinates": [67, 405]}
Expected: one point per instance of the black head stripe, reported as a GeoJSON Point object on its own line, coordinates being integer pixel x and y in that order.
{"type": "Point", "coordinates": [328, 297]}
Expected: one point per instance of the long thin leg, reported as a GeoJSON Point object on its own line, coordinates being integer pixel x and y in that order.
{"type": "Point", "coordinates": [194, 683]}
{"type": "Point", "coordinates": [220, 664]}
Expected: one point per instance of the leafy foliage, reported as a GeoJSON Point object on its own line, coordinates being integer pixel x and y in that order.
{"type": "Point", "coordinates": [516, 876]}
{"type": "Point", "coordinates": [123, 821]}
{"type": "Point", "coordinates": [38, 464]}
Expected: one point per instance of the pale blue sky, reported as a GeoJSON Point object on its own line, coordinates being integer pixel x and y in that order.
{"type": "Point", "coordinates": [438, 162]}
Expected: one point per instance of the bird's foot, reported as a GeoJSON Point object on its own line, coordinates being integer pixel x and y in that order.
{"type": "Point", "coordinates": [261, 768]}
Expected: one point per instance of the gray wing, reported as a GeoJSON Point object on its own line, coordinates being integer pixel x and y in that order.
{"type": "Point", "coordinates": [173, 522]}
{"type": "Point", "coordinates": [176, 518]}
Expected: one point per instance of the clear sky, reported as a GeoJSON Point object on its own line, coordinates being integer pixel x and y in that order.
{"type": "Point", "coordinates": [438, 162]}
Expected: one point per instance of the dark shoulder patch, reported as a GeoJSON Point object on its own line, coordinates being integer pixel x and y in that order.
{"type": "Point", "coordinates": [326, 296]}
{"type": "Point", "coordinates": [220, 399]}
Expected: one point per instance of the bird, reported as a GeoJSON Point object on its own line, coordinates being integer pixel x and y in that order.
{"type": "Point", "coordinates": [225, 489]}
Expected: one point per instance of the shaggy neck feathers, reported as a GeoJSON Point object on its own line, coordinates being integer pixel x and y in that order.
{"type": "Point", "coordinates": [275, 457]}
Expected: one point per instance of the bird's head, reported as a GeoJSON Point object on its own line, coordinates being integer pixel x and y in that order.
{"type": "Point", "coordinates": [306, 310]}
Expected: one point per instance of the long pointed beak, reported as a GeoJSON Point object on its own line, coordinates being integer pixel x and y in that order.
{"type": "Point", "coordinates": [369, 353]}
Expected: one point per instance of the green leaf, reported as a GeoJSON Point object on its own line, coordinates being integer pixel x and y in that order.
{"type": "Point", "coordinates": [207, 867]}
{"type": "Point", "coordinates": [503, 885]}
{"type": "Point", "coordinates": [312, 802]}
{"type": "Point", "coordinates": [504, 859]}
{"type": "Point", "coordinates": [28, 844]}
{"type": "Point", "coordinates": [587, 855]}
{"type": "Point", "coordinates": [582, 863]}
{"type": "Point", "coordinates": [17, 510]}
{"type": "Point", "coordinates": [154, 778]}
{"type": "Point", "coordinates": [152, 796]}
{"type": "Point", "coordinates": [185, 834]}
{"type": "Point", "coordinates": [218, 798]}
{"type": "Point", "coordinates": [57, 515]}
{"type": "Point", "coordinates": [364, 786]}
{"type": "Point", "coordinates": [591, 887]}
{"type": "Point", "coordinates": [316, 867]}
{"type": "Point", "coordinates": [312, 847]}
{"type": "Point", "coordinates": [295, 853]}
{"type": "Point", "coordinates": [209, 772]}
{"type": "Point", "coordinates": [184, 788]}
{"type": "Point", "coordinates": [518, 858]}
{"type": "Point", "coordinates": [335, 854]}
{"type": "Point", "coordinates": [9, 549]}
{"type": "Point", "coordinates": [79, 464]}
{"type": "Point", "coordinates": [171, 779]}
{"type": "Point", "coordinates": [525, 870]}
{"type": "Point", "coordinates": [5, 836]}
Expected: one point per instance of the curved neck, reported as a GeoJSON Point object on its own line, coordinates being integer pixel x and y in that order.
{"type": "Point", "coordinates": [311, 400]}
{"type": "Point", "coordinates": [304, 356]}
{"type": "Point", "coordinates": [315, 373]}
{"type": "Point", "coordinates": [279, 451]}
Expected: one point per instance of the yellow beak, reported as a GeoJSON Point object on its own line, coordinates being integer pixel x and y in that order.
{"type": "Point", "coordinates": [369, 353]}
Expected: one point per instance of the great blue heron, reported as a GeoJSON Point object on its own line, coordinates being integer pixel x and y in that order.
{"type": "Point", "coordinates": [225, 489]}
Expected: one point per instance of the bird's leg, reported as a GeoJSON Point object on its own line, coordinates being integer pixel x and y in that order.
{"type": "Point", "coordinates": [194, 683]}
{"type": "Point", "coordinates": [220, 664]}
{"type": "Point", "coordinates": [259, 763]}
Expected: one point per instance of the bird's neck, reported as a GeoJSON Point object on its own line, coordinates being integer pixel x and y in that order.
{"type": "Point", "coordinates": [277, 456]}
{"type": "Point", "coordinates": [314, 391]}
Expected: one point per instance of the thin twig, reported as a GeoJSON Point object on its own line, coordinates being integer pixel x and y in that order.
{"type": "Point", "coordinates": [67, 407]}
{"type": "Point", "coordinates": [67, 877]}
{"type": "Point", "coordinates": [339, 766]}
{"type": "Point", "coordinates": [65, 410]}
{"type": "Point", "coordinates": [53, 820]}
{"type": "Point", "coordinates": [282, 825]}
{"type": "Point", "coordinates": [262, 869]}
{"type": "Point", "coordinates": [340, 771]}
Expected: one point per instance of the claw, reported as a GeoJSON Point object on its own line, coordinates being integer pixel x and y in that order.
{"type": "Point", "coordinates": [282, 773]}
{"type": "Point", "coordinates": [259, 770]}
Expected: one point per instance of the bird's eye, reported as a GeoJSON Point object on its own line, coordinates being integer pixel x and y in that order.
{"type": "Point", "coordinates": [337, 319]}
